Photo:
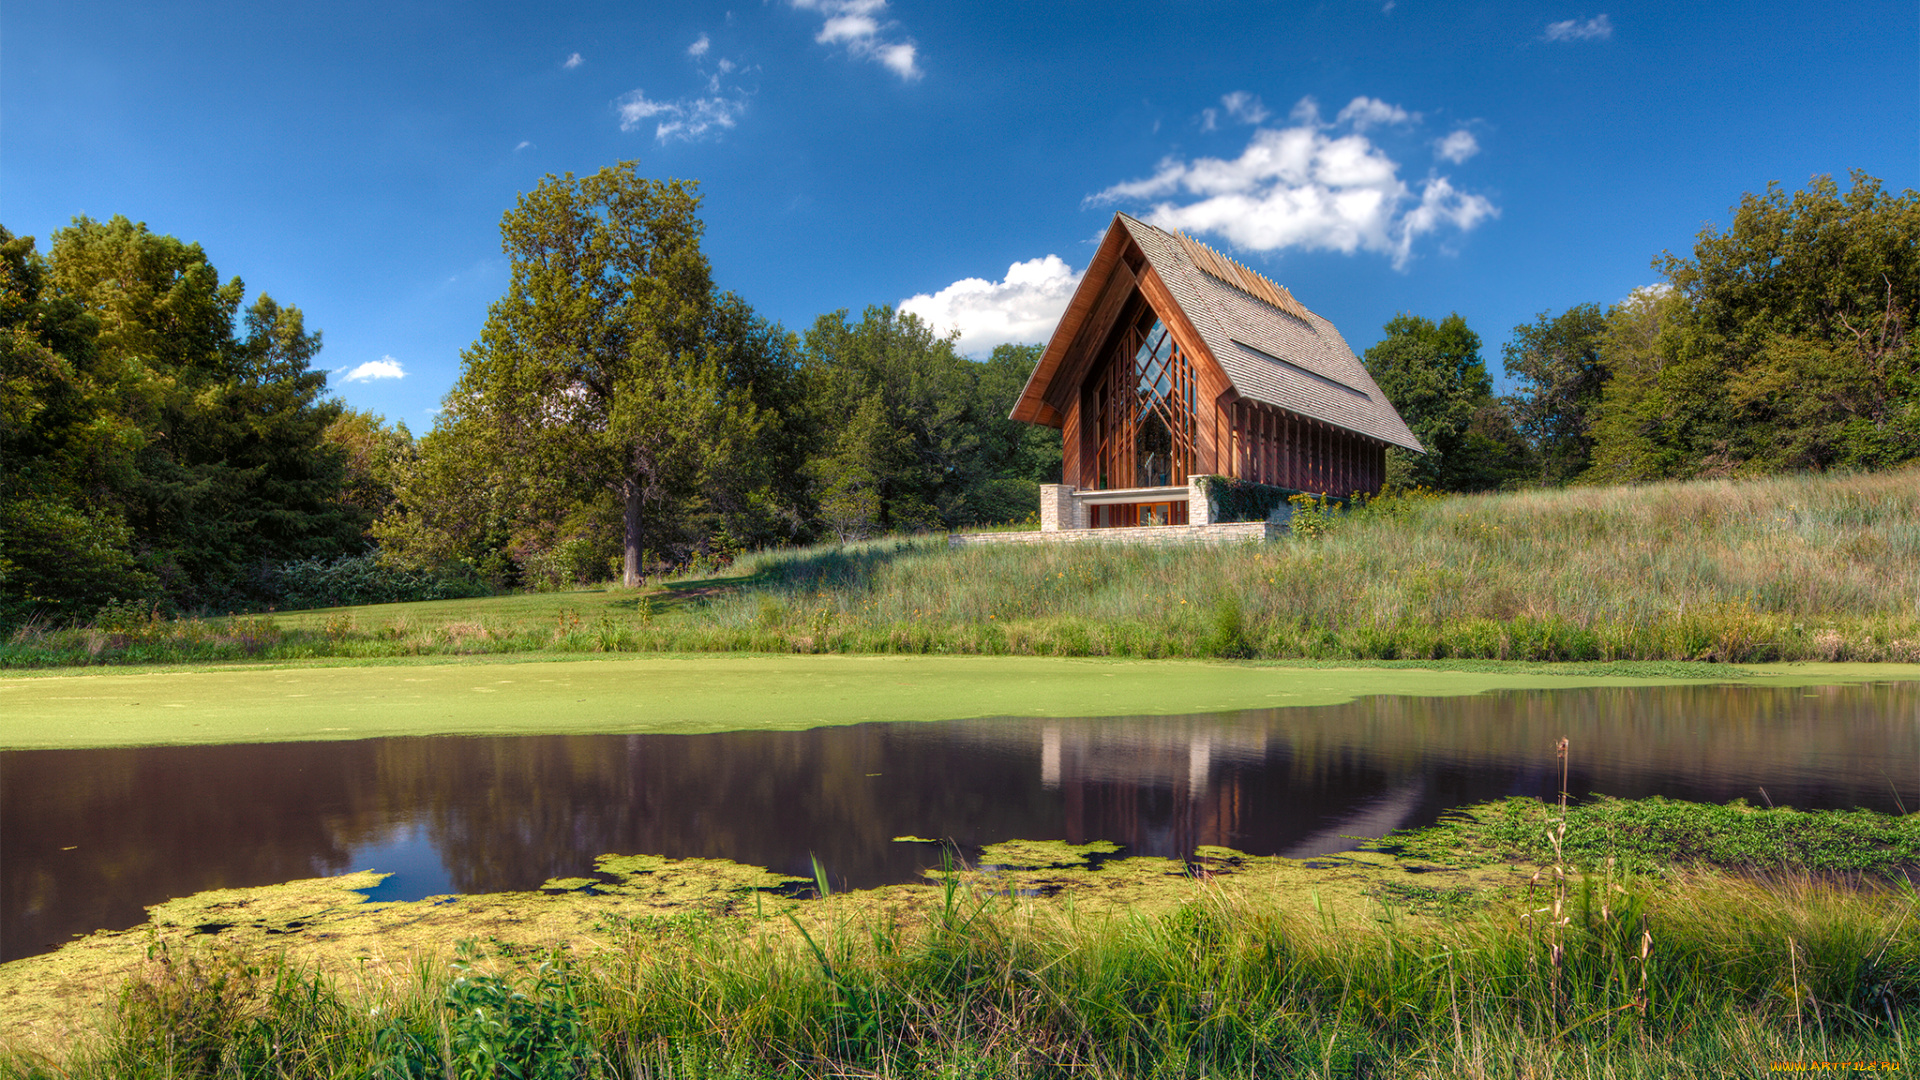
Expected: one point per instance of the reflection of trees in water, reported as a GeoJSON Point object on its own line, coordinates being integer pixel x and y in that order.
{"type": "Point", "coordinates": [511, 812]}
{"type": "Point", "coordinates": [150, 823]}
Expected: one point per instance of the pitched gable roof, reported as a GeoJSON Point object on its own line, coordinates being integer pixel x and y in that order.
{"type": "Point", "coordinates": [1269, 345]}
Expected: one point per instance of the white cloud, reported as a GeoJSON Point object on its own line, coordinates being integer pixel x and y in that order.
{"type": "Point", "coordinates": [1598, 28]}
{"type": "Point", "coordinates": [860, 26]}
{"type": "Point", "coordinates": [1457, 147]}
{"type": "Point", "coordinates": [1304, 187]}
{"type": "Point", "coordinates": [685, 119]}
{"type": "Point", "coordinates": [700, 46]}
{"type": "Point", "coordinates": [524, 145]}
{"type": "Point", "coordinates": [384, 368]}
{"type": "Point", "coordinates": [1366, 112]}
{"type": "Point", "coordinates": [1023, 307]}
{"type": "Point", "coordinates": [1244, 107]}
{"type": "Point", "coordinates": [573, 61]}
{"type": "Point", "coordinates": [899, 59]}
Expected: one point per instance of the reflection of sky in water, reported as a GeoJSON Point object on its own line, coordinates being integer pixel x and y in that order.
{"type": "Point", "coordinates": [408, 854]}
{"type": "Point", "coordinates": [88, 837]}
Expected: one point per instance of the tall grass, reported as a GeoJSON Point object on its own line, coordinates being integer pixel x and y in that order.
{"type": "Point", "coordinates": [1786, 568]}
{"type": "Point", "coordinates": [1804, 567]}
{"type": "Point", "coordinates": [1701, 976]}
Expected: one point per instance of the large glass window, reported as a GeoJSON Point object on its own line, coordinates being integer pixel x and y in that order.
{"type": "Point", "coordinates": [1145, 397]}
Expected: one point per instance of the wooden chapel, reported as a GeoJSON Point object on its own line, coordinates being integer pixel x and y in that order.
{"type": "Point", "coordinates": [1173, 361]}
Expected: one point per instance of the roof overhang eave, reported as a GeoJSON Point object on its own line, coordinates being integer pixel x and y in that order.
{"type": "Point", "coordinates": [1032, 406]}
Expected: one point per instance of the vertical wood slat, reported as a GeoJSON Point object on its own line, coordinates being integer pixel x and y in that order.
{"type": "Point", "coordinates": [1253, 443]}
{"type": "Point", "coordinates": [1273, 446]}
{"type": "Point", "coordinates": [1284, 457]}
{"type": "Point", "coordinates": [1291, 458]}
{"type": "Point", "coordinates": [1315, 465]}
{"type": "Point", "coordinates": [1240, 441]}
{"type": "Point", "coordinates": [1306, 455]}
{"type": "Point", "coordinates": [1243, 440]}
{"type": "Point", "coordinates": [1265, 442]}
{"type": "Point", "coordinates": [1297, 439]}
{"type": "Point", "coordinates": [1261, 438]}
{"type": "Point", "coordinates": [1319, 459]}
{"type": "Point", "coordinates": [1262, 467]}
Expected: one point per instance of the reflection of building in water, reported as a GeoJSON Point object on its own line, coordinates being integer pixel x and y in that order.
{"type": "Point", "coordinates": [1151, 786]}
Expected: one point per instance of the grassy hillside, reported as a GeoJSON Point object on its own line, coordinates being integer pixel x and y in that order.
{"type": "Point", "coordinates": [1788, 568]}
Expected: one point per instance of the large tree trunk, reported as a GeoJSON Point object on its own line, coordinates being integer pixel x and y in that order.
{"type": "Point", "coordinates": [630, 564]}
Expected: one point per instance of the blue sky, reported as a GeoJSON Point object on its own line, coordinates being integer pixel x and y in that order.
{"type": "Point", "coordinates": [1493, 159]}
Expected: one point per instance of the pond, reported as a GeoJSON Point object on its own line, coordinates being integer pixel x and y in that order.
{"type": "Point", "coordinates": [88, 837]}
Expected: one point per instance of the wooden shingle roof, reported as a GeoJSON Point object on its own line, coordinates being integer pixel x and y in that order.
{"type": "Point", "coordinates": [1270, 346]}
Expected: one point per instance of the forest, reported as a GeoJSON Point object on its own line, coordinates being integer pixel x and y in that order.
{"type": "Point", "coordinates": [168, 447]}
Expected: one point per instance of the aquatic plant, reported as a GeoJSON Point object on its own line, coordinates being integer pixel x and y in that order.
{"type": "Point", "coordinates": [1619, 973]}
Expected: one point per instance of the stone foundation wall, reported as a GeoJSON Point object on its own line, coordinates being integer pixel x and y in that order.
{"type": "Point", "coordinates": [1231, 532]}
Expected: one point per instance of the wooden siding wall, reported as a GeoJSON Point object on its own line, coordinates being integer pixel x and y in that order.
{"type": "Point", "coordinates": [1247, 440]}
{"type": "Point", "coordinates": [1269, 446]}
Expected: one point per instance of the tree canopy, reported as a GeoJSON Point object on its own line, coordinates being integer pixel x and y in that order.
{"type": "Point", "coordinates": [1780, 343]}
{"type": "Point", "coordinates": [162, 443]}
{"type": "Point", "coordinates": [1433, 374]}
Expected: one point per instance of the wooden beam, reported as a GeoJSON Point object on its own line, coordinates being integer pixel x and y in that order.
{"type": "Point", "coordinates": [1085, 350]}
{"type": "Point", "coordinates": [1085, 298]}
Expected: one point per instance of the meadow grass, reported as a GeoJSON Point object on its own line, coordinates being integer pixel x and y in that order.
{"type": "Point", "coordinates": [1808, 567]}
{"type": "Point", "coordinates": [1614, 975]}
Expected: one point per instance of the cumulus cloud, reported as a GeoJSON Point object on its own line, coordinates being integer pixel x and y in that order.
{"type": "Point", "coordinates": [1598, 28]}
{"type": "Point", "coordinates": [384, 368]}
{"type": "Point", "coordinates": [1457, 147]}
{"type": "Point", "coordinates": [1306, 187]}
{"type": "Point", "coordinates": [861, 27]}
{"type": "Point", "coordinates": [1244, 107]}
{"type": "Point", "coordinates": [1366, 112]}
{"type": "Point", "coordinates": [1022, 307]}
{"type": "Point", "coordinates": [684, 119]}
{"type": "Point", "coordinates": [573, 61]}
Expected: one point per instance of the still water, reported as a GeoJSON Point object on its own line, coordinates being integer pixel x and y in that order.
{"type": "Point", "coordinates": [88, 837]}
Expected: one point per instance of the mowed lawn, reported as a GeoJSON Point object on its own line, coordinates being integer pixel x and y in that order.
{"type": "Point", "coordinates": [507, 695]}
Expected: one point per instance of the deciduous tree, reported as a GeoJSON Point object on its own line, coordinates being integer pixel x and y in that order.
{"type": "Point", "coordinates": [1557, 363]}
{"type": "Point", "coordinates": [596, 375]}
{"type": "Point", "coordinates": [1435, 377]}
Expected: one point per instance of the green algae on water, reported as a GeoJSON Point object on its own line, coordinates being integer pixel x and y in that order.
{"type": "Point", "coordinates": [1043, 854]}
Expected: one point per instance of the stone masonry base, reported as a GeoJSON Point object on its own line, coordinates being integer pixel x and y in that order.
{"type": "Point", "coordinates": [1231, 532]}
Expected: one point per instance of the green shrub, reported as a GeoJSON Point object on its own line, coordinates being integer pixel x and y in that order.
{"type": "Point", "coordinates": [363, 579]}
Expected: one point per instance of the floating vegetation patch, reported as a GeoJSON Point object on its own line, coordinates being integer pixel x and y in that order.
{"type": "Point", "coordinates": [1657, 834]}
{"type": "Point", "coordinates": [1475, 861]}
{"type": "Point", "coordinates": [1043, 854]}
